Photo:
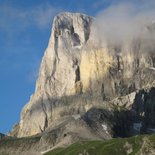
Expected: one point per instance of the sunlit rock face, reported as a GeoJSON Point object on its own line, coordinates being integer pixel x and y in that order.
{"type": "Point", "coordinates": [59, 74]}
{"type": "Point", "coordinates": [80, 71]}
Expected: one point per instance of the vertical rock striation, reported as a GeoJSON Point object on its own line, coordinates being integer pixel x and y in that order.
{"type": "Point", "coordinates": [59, 74]}
{"type": "Point", "coordinates": [78, 71]}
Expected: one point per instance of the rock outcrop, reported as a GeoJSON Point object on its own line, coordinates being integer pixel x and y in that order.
{"type": "Point", "coordinates": [1, 136]}
{"type": "Point", "coordinates": [59, 75]}
{"type": "Point", "coordinates": [79, 72]}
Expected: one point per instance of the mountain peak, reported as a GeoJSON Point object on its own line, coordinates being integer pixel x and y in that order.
{"type": "Point", "coordinates": [78, 74]}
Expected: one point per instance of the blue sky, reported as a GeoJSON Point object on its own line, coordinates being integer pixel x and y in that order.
{"type": "Point", "coordinates": [25, 27]}
{"type": "Point", "coordinates": [24, 32]}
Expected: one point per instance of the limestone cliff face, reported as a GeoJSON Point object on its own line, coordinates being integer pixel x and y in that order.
{"type": "Point", "coordinates": [59, 74]}
{"type": "Point", "coordinates": [78, 72]}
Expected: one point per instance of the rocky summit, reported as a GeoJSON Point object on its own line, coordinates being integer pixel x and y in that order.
{"type": "Point", "coordinates": [89, 88]}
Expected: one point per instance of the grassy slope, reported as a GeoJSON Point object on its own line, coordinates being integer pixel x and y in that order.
{"type": "Point", "coordinates": [14, 145]}
{"type": "Point", "coordinates": [15, 142]}
{"type": "Point", "coordinates": [111, 147]}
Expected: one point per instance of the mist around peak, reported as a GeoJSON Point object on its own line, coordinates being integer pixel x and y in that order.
{"type": "Point", "coordinates": [125, 22]}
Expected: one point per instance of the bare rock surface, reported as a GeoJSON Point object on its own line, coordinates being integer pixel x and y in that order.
{"type": "Point", "coordinates": [88, 88]}
{"type": "Point", "coordinates": [59, 73]}
{"type": "Point", "coordinates": [78, 72]}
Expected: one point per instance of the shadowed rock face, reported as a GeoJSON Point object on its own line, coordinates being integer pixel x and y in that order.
{"type": "Point", "coordinates": [144, 109]}
{"type": "Point", "coordinates": [78, 72]}
{"type": "Point", "coordinates": [1, 136]}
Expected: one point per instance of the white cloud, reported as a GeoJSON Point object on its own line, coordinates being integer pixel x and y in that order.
{"type": "Point", "coordinates": [125, 20]}
{"type": "Point", "coordinates": [12, 19]}
{"type": "Point", "coordinates": [42, 15]}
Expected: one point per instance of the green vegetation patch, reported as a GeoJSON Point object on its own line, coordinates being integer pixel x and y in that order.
{"type": "Point", "coordinates": [120, 146]}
